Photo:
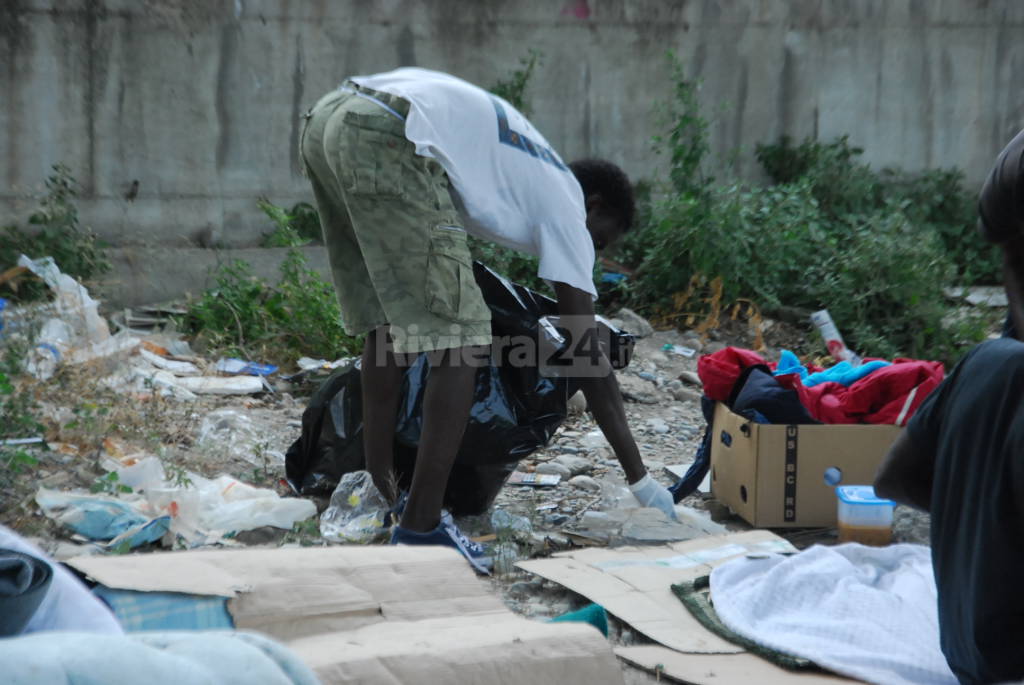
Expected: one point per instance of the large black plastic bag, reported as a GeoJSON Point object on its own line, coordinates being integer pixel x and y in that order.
{"type": "Point", "coordinates": [515, 410]}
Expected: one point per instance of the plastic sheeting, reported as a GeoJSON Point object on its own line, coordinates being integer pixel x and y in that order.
{"type": "Point", "coordinates": [515, 411]}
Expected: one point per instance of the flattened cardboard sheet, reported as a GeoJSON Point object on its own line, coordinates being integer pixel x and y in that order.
{"type": "Point", "coordinates": [375, 614]}
{"type": "Point", "coordinates": [504, 648]}
{"type": "Point", "coordinates": [718, 669]}
{"type": "Point", "coordinates": [634, 583]}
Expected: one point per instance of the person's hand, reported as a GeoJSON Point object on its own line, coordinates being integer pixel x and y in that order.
{"type": "Point", "coordinates": [650, 493]}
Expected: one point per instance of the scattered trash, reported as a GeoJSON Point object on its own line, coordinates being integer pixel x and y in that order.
{"type": "Point", "coordinates": [239, 366]}
{"type": "Point", "coordinates": [356, 512]}
{"type": "Point", "coordinates": [22, 441]}
{"type": "Point", "coordinates": [217, 385]}
{"type": "Point", "coordinates": [103, 518]}
{"type": "Point", "coordinates": [178, 368]}
{"type": "Point", "coordinates": [233, 432]}
{"type": "Point", "coordinates": [194, 509]}
{"type": "Point", "coordinates": [681, 350]}
{"type": "Point", "coordinates": [77, 326]}
{"type": "Point", "coordinates": [822, 320]}
{"type": "Point", "coordinates": [640, 526]}
{"type": "Point", "coordinates": [535, 479]}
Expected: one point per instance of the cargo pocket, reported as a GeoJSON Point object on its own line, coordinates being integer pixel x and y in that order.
{"type": "Point", "coordinates": [451, 289]}
{"type": "Point", "coordinates": [376, 151]}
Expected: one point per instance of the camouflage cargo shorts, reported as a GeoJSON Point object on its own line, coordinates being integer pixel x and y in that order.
{"type": "Point", "coordinates": [395, 242]}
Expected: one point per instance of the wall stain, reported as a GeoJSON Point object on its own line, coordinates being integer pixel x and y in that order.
{"type": "Point", "coordinates": [741, 103]}
{"type": "Point", "coordinates": [787, 93]}
{"type": "Point", "coordinates": [406, 47]}
{"type": "Point", "coordinates": [298, 92]}
{"type": "Point", "coordinates": [91, 19]}
{"type": "Point", "coordinates": [229, 36]}
{"type": "Point", "coordinates": [16, 43]}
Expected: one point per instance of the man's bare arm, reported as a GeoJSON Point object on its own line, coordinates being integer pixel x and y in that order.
{"type": "Point", "coordinates": [906, 475]}
{"type": "Point", "coordinates": [601, 389]}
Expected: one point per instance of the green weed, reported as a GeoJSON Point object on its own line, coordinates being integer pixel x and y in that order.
{"type": "Point", "coordinates": [875, 248]}
{"type": "Point", "coordinates": [294, 227]}
{"type": "Point", "coordinates": [54, 231]}
{"type": "Point", "coordinates": [109, 484]}
{"type": "Point", "coordinates": [245, 316]}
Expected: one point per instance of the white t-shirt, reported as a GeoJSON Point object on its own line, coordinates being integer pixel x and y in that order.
{"type": "Point", "coordinates": [513, 188]}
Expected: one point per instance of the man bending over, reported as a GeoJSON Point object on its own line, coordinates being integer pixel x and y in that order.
{"type": "Point", "coordinates": [404, 164]}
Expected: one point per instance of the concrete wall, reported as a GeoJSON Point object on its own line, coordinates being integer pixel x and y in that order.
{"type": "Point", "coordinates": [199, 100]}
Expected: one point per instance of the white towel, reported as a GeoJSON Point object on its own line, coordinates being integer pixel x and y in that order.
{"type": "Point", "coordinates": [864, 612]}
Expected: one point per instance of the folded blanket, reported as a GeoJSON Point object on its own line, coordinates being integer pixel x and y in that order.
{"type": "Point", "coordinates": [865, 612]}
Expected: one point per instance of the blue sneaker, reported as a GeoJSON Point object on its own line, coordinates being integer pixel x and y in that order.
{"type": "Point", "coordinates": [449, 535]}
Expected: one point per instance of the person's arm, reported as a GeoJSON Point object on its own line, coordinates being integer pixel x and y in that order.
{"type": "Point", "coordinates": [907, 473]}
{"type": "Point", "coordinates": [1013, 279]}
{"type": "Point", "coordinates": [599, 386]}
{"type": "Point", "coordinates": [576, 310]}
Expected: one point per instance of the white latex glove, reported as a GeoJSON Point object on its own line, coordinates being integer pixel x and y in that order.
{"type": "Point", "coordinates": [652, 494]}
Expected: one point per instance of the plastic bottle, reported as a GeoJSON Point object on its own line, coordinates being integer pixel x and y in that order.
{"type": "Point", "coordinates": [833, 341]}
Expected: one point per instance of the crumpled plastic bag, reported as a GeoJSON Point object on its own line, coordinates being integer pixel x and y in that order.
{"type": "Point", "coordinates": [356, 511]}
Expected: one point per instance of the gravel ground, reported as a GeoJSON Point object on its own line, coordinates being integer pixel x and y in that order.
{"type": "Point", "coordinates": [247, 437]}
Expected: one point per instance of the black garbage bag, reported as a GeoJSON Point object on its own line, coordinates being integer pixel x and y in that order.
{"type": "Point", "coordinates": [515, 409]}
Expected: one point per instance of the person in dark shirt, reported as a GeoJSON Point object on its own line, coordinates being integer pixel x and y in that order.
{"type": "Point", "coordinates": [961, 458]}
{"type": "Point", "coordinates": [1001, 221]}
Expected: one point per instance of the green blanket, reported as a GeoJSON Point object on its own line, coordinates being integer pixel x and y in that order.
{"type": "Point", "coordinates": [696, 597]}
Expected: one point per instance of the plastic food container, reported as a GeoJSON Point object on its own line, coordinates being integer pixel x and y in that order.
{"type": "Point", "coordinates": [864, 517]}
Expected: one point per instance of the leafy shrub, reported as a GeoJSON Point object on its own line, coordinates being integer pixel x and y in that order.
{"type": "Point", "coordinates": [243, 315]}
{"type": "Point", "coordinates": [513, 88]}
{"type": "Point", "coordinates": [874, 248]}
{"type": "Point", "coordinates": [55, 232]}
{"type": "Point", "coordinates": [17, 415]}
{"type": "Point", "coordinates": [934, 200]}
{"type": "Point", "coordinates": [294, 227]}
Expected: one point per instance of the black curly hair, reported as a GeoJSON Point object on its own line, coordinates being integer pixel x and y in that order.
{"type": "Point", "coordinates": [600, 177]}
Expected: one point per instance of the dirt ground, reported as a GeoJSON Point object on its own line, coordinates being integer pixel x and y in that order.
{"type": "Point", "coordinates": [247, 437]}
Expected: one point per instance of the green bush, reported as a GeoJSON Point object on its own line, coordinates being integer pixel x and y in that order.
{"type": "Point", "coordinates": [54, 232]}
{"type": "Point", "coordinates": [934, 200]}
{"type": "Point", "coordinates": [243, 315]}
{"type": "Point", "coordinates": [875, 248]}
{"type": "Point", "coordinates": [293, 227]}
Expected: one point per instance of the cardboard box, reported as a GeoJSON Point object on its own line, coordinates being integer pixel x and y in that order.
{"type": "Point", "coordinates": [774, 475]}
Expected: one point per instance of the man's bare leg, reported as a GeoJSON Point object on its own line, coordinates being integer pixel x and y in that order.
{"type": "Point", "coordinates": [446, 404]}
{"type": "Point", "coordinates": [382, 386]}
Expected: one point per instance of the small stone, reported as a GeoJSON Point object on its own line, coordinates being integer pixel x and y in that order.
{"type": "Point", "coordinates": [658, 426]}
{"type": "Point", "coordinates": [575, 465]}
{"type": "Point", "coordinates": [691, 378]}
{"type": "Point", "coordinates": [556, 520]}
{"type": "Point", "coordinates": [554, 468]}
{"type": "Point", "coordinates": [585, 483]}
{"type": "Point", "coordinates": [657, 357]}
{"type": "Point", "coordinates": [686, 395]}
{"type": "Point", "coordinates": [634, 323]}
{"type": "Point", "coordinates": [567, 449]}
{"type": "Point", "coordinates": [594, 440]}
{"type": "Point", "coordinates": [577, 404]}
